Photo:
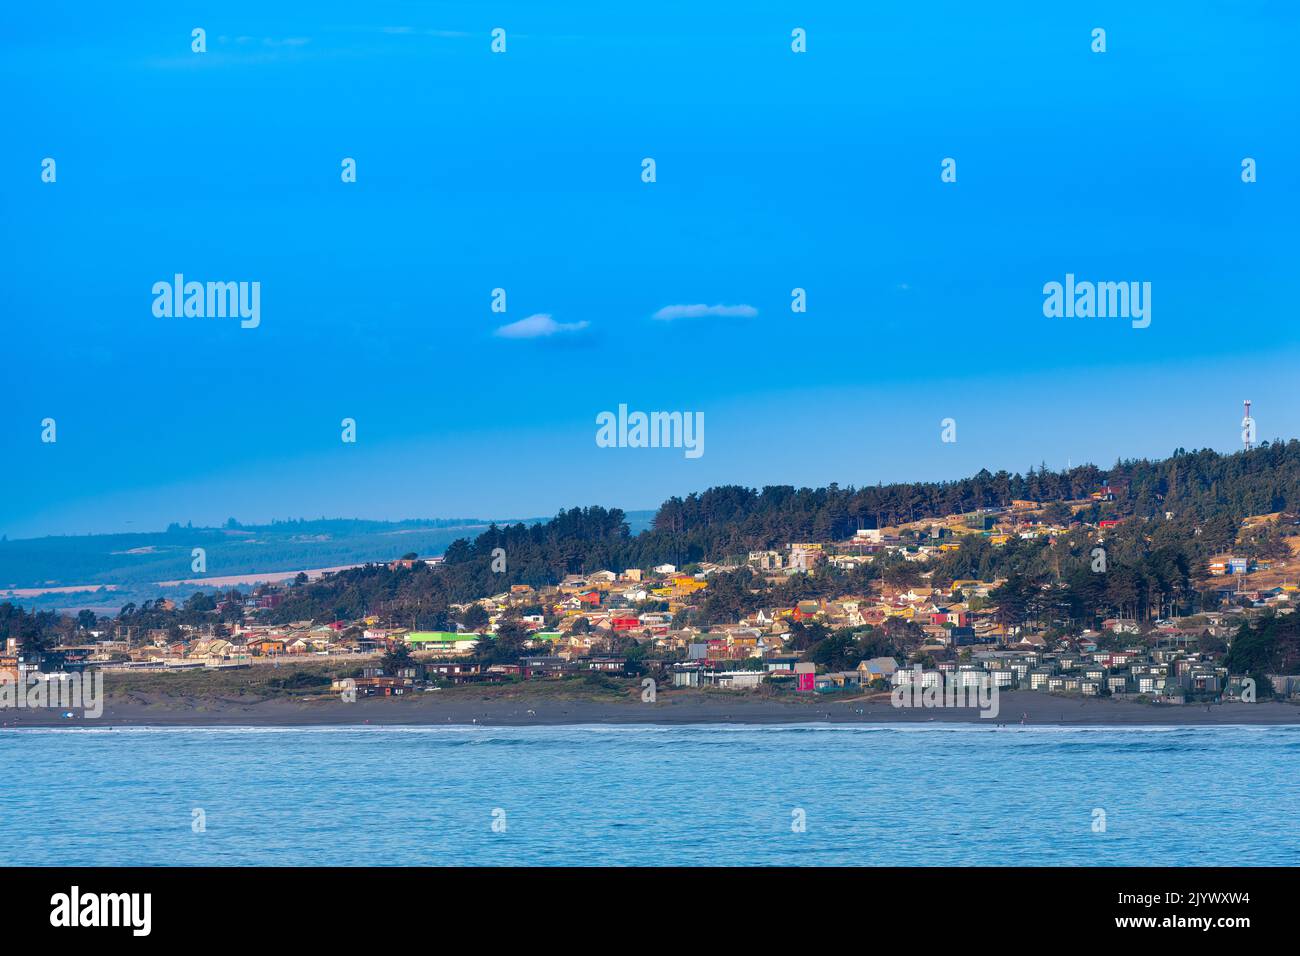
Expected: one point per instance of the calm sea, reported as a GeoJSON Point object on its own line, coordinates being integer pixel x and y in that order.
{"type": "Point", "coordinates": [651, 795]}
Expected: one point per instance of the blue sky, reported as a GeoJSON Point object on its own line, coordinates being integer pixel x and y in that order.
{"type": "Point", "coordinates": [522, 171]}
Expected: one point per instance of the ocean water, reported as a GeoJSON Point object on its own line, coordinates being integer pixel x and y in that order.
{"type": "Point", "coordinates": [646, 795]}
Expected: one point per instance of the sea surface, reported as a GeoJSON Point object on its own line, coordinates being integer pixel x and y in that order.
{"type": "Point", "coordinates": [646, 795]}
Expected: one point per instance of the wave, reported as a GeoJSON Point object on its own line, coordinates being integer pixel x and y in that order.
{"type": "Point", "coordinates": [648, 729]}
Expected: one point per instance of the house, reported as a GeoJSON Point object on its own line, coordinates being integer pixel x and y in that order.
{"type": "Point", "coordinates": [838, 680]}
{"type": "Point", "coordinates": [805, 557]}
{"type": "Point", "coordinates": [877, 668]}
{"type": "Point", "coordinates": [806, 610]}
{"type": "Point", "coordinates": [805, 676]}
{"type": "Point", "coordinates": [217, 647]}
{"type": "Point", "coordinates": [444, 642]}
{"type": "Point", "coordinates": [965, 636]}
{"type": "Point", "coordinates": [458, 672]}
{"type": "Point", "coordinates": [384, 686]}
{"type": "Point", "coordinates": [551, 666]}
{"type": "Point", "coordinates": [1002, 677]}
{"type": "Point", "coordinates": [735, 680]}
{"type": "Point", "coordinates": [686, 675]}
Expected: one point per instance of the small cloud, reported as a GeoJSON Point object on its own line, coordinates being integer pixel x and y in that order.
{"type": "Point", "coordinates": [538, 326]}
{"type": "Point", "coordinates": [670, 312]}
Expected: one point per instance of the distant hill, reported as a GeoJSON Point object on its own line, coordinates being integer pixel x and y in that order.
{"type": "Point", "coordinates": [141, 559]}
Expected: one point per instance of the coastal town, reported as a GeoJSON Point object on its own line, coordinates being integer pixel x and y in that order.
{"type": "Point", "coordinates": [900, 626]}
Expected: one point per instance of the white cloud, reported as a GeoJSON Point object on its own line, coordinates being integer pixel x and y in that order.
{"type": "Point", "coordinates": [670, 312]}
{"type": "Point", "coordinates": [537, 326]}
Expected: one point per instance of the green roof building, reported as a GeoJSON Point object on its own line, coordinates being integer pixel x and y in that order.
{"type": "Point", "coordinates": [437, 638]}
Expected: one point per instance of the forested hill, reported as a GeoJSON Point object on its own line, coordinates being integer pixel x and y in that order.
{"type": "Point", "coordinates": [1206, 492]}
{"type": "Point", "coordinates": [1193, 485]}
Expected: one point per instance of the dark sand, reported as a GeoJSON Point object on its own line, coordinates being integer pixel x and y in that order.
{"type": "Point", "coordinates": [460, 706]}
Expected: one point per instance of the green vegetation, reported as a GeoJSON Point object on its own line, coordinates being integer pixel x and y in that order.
{"type": "Point", "coordinates": [261, 681]}
{"type": "Point", "coordinates": [1270, 645]}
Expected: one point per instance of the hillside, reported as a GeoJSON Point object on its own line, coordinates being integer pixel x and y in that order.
{"type": "Point", "coordinates": [1173, 515]}
{"type": "Point", "coordinates": [129, 562]}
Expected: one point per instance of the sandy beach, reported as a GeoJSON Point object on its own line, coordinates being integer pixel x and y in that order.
{"type": "Point", "coordinates": [677, 707]}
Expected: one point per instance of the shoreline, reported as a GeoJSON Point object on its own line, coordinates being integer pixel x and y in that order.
{"type": "Point", "coordinates": [1017, 708]}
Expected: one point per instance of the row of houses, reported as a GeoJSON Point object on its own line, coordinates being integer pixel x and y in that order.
{"type": "Point", "coordinates": [425, 675]}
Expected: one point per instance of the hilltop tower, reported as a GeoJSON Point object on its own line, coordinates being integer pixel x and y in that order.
{"type": "Point", "coordinates": [1247, 427]}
